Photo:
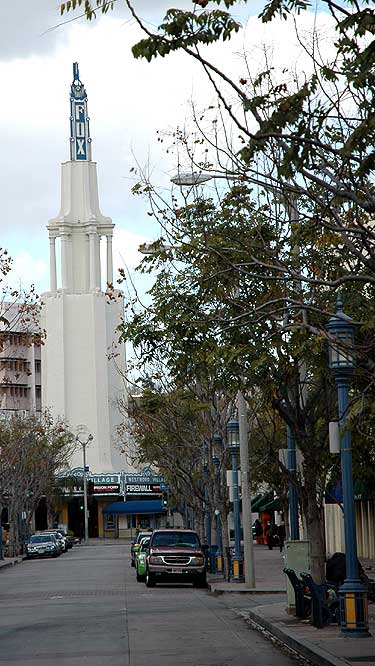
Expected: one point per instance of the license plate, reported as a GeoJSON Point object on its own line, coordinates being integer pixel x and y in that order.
{"type": "Point", "coordinates": [176, 571]}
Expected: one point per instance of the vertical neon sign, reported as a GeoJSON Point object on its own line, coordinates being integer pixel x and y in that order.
{"type": "Point", "coordinates": [80, 141]}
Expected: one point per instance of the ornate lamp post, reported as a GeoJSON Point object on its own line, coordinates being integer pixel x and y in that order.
{"type": "Point", "coordinates": [84, 444]}
{"type": "Point", "coordinates": [218, 443]}
{"type": "Point", "coordinates": [353, 596]}
{"type": "Point", "coordinates": [233, 432]}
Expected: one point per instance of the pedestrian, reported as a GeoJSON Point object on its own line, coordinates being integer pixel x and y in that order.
{"type": "Point", "coordinates": [258, 530]}
{"type": "Point", "coordinates": [281, 533]}
{"type": "Point", "coordinates": [269, 535]}
{"type": "Point", "coordinates": [81, 532]}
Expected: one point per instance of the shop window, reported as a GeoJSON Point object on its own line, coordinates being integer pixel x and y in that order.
{"type": "Point", "coordinates": [109, 521]}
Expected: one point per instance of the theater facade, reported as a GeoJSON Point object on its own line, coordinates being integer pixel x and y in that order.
{"type": "Point", "coordinates": [119, 503]}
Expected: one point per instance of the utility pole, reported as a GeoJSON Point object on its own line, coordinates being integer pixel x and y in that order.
{"type": "Point", "coordinates": [246, 492]}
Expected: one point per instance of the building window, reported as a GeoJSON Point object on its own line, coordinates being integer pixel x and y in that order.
{"type": "Point", "coordinates": [109, 521]}
{"type": "Point", "coordinates": [37, 366]}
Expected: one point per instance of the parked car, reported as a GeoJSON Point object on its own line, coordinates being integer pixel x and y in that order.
{"type": "Point", "coordinates": [175, 555]}
{"type": "Point", "coordinates": [135, 546]}
{"type": "Point", "coordinates": [69, 538]}
{"type": "Point", "coordinates": [140, 559]}
{"type": "Point", "coordinates": [40, 545]}
{"type": "Point", "coordinates": [61, 540]}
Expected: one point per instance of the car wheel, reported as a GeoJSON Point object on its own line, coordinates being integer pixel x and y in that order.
{"type": "Point", "coordinates": [150, 579]}
{"type": "Point", "coordinates": [200, 581]}
{"type": "Point", "coordinates": [140, 579]}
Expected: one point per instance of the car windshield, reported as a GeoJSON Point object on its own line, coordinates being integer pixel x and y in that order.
{"type": "Point", "coordinates": [41, 538]}
{"type": "Point", "coordinates": [144, 545]}
{"type": "Point", "coordinates": [176, 539]}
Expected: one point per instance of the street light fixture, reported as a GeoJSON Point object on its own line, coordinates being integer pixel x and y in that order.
{"type": "Point", "coordinates": [233, 433]}
{"type": "Point", "coordinates": [84, 444]}
{"type": "Point", "coordinates": [190, 178]}
{"type": "Point", "coordinates": [353, 596]}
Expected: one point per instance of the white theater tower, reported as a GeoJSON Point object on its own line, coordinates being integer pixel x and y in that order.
{"type": "Point", "coordinates": [83, 365]}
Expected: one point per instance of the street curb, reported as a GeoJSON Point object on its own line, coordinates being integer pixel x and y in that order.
{"type": "Point", "coordinates": [309, 650]}
{"type": "Point", "coordinates": [250, 590]}
{"type": "Point", "coordinates": [6, 565]}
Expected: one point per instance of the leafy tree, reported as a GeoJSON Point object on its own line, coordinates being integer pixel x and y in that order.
{"type": "Point", "coordinates": [247, 293]}
{"type": "Point", "coordinates": [33, 450]}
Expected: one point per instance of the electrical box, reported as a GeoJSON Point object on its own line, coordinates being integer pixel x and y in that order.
{"type": "Point", "coordinates": [334, 437]}
{"type": "Point", "coordinates": [297, 557]}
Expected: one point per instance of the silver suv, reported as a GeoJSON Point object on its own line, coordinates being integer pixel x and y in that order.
{"type": "Point", "coordinates": [175, 555]}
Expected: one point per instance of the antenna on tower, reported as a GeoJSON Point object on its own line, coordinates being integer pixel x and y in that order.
{"type": "Point", "coordinates": [75, 72]}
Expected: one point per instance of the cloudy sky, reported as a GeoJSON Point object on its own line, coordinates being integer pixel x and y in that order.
{"type": "Point", "coordinates": [129, 101]}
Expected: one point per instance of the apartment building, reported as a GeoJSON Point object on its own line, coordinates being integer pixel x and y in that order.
{"type": "Point", "coordinates": [20, 363]}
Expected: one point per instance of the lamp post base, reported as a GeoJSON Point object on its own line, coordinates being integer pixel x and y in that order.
{"type": "Point", "coordinates": [219, 562]}
{"type": "Point", "coordinates": [354, 610]}
{"type": "Point", "coordinates": [238, 570]}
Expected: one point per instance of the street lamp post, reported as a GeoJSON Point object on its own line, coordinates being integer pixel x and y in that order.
{"type": "Point", "coordinates": [207, 515]}
{"type": "Point", "coordinates": [233, 432]}
{"type": "Point", "coordinates": [84, 444]}
{"type": "Point", "coordinates": [218, 442]}
{"type": "Point", "coordinates": [353, 596]}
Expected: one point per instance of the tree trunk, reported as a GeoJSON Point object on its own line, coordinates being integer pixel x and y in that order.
{"type": "Point", "coordinates": [315, 535]}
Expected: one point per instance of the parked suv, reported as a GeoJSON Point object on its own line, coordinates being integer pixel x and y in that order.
{"type": "Point", "coordinates": [175, 555]}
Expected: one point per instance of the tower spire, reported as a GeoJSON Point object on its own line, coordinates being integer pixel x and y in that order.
{"type": "Point", "coordinates": [80, 141]}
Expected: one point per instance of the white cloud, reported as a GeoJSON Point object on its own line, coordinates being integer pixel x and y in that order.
{"type": "Point", "coordinates": [28, 270]}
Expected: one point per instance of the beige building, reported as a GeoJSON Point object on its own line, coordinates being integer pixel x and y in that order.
{"type": "Point", "coordinates": [20, 369]}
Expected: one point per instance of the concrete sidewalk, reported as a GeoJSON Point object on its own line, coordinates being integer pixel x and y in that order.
{"type": "Point", "coordinates": [323, 647]}
{"type": "Point", "coordinates": [269, 575]}
{"type": "Point", "coordinates": [10, 562]}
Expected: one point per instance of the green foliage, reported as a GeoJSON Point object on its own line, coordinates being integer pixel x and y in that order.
{"type": "Point", "coordinates": [88, 7]}
{"type": "Point", "coordinates": [186, 29]}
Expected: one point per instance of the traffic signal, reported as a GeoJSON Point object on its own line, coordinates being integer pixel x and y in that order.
{"type": "Point", "coordinates": [165, 500]}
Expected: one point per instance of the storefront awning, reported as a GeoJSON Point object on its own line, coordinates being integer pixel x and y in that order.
{"type": "Point", "coordinates": [147, 506]}
{"type": "Point", "coordinates": [260, 501]}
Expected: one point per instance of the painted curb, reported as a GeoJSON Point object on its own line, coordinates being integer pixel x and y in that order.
{"type": "Point", "coordinates": [307, 649]}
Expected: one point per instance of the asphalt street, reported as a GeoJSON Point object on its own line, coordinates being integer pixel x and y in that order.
{"type": "Point", "coordinates": [86, 608]}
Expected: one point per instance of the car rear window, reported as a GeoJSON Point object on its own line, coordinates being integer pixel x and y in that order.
{"type": "Point", "coordinates": [142, 535]}
{"type": "Point", "coordinates": [176, 539]}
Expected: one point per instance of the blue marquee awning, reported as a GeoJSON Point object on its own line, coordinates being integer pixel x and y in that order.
{"type": "Point", "coordinates": [146, 506]}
